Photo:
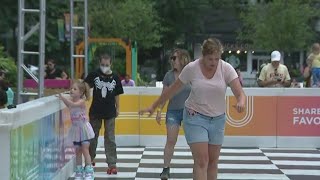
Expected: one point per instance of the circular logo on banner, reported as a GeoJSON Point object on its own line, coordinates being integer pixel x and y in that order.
{"type": "Point", "coordinates": [246, 119]}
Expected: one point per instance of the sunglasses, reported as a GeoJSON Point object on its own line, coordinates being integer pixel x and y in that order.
{"type": "Point", "coordinates": [173, 58]}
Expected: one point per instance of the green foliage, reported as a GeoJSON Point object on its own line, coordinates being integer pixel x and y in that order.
{"type": "Point", "coordinates": [8, 65]}
{"type": "Point", "coordinates": [8, 15]}
{"type": "Point", "coordinates": [117, 54]}
{"type": "Point", "coordinates": [54, 10]}
{"type": "Point", "coordinates": [119, 66]}
{"type": "Point", "coordinates": [282, 24]}
{"type": "Point", "coordinates": [180, 18]}
{"type": "Point", "coordinates": [294, 72]}
{"type": "Point", "coordinates": [54, 48]}
{"type": "Point", "coordinates": [141, 81]}
{"type": "Point", "coordinates": [133, 19]}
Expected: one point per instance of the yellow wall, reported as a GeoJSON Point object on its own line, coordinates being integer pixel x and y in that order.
{"type": "Point", "coordinates": [130, 123]}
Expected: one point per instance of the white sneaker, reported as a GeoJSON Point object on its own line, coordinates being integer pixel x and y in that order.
{"type": "Point", "coordinates": [78, 173]}
{"type": "Point", "coordinates": [88, 173]}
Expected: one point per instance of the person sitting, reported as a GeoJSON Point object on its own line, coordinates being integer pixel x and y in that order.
{"type": "Point", "coordinates": [127, 81]}
{"type": "Point", "coordinates": [3, 99]}
{"type": "Point", "coordinates": [274, 74]}
{"type": "Point", "coordinates": [51, 71]}
{"type": "Point", "coordinates": [4, 85]}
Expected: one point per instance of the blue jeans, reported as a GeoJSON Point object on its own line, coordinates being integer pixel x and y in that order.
{"type": "Point", "coordinates": [201, 128]}
{"type": "Point", "coordinates": [315, 77]}
{"type": "Point", "coordinates": [174, 117]}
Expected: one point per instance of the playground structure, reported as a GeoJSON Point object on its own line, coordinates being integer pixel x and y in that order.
{"type": "Point", "coordinates": [130, 48]}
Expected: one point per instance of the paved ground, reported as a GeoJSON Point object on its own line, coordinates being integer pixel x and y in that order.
{"type": "Point", "coordinates": [138, 163]}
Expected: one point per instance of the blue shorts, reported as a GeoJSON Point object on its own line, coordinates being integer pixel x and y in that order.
{"type": "Point", "coordinates": [174, 117]}
{"type": "Point", "coordinates": [78, 144]}
{"type": "Point", "coordinates": [201, 128]}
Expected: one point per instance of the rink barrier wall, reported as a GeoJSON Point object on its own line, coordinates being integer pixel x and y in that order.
{"type": "Point", "coordinates": [36, 145]}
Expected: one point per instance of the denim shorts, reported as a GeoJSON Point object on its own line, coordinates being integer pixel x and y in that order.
{"type": "Point", "coordinates": [201, 128]}
{"type": "Point", "coordinates": [80, 143]}
{"type": "Point", "coordinates": [174, 117]}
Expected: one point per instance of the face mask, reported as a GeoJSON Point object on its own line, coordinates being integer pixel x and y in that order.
{"type": "Point", "coordinates": [104, 69]}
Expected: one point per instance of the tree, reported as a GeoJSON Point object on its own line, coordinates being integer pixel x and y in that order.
{"type": "Point", "coordinates": [181, 19]}
{"type": "Point", "coordinates": [54, 48]}
{"type": "Point", "coordinates": [9, 23]}
{"type": "Point", "coordinates": [7, 64]}
{"type": "Point", "coordinates": [132, 19]}
{"type": "Point", "coordinates": [281, 24]}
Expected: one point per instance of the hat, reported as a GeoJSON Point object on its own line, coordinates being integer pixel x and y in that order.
{"type": "Point", "coordinates": [275, 56]}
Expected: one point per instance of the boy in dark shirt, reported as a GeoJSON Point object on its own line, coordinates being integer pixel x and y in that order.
{"type": "Point", "coordinates": [105, 106]}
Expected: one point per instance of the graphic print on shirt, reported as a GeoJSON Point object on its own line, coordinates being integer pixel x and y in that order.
{"type": "Point", "coordinates": [104, 86]}
{"type": "Point", "coordinates": [78, 114]}
{"type": "Point", "coordinates": [276, 75]}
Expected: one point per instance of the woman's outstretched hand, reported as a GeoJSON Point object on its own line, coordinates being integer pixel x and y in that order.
{"type": "Point", "coordinates": [149, 110]}
{"type": "Point", "coordinates": [240, 107]}
{"type": "Point", "coordinates": [158, 117]}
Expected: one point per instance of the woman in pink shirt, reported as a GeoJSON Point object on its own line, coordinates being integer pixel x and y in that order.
{"type": "Point", "coordinates": [204, 113]}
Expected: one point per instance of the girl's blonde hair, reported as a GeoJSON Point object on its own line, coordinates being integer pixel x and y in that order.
{"type": "Point", "coordinates": [183, 56]}
{"type": "Point", "coordinates": [84, 88]}
{"type": "Point", "coordinates": [211, 46]}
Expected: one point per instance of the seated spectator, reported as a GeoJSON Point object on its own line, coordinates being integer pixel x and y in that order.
{"type": "Point", "coordinates": [51, 71]}
{"type": "Point", "coordinates": [274, 74]}
{"type": "Point", "coordinates": [4, 85]}
{"type": "Point", "coordinates": [127, 81]}
{"type": "Point", "coordinates": [3, 99]}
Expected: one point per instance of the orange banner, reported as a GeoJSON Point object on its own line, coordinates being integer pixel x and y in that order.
{"type": "Point", "coordinates": [259, 118]}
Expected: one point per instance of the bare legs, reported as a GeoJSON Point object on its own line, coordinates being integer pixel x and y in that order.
{"type": "Point", "coordinates": [86, 154]}
{"type": "Point", "coordinates": [78, 156]}
{"type": "Point", "coordinates": [214, 153]}
{"type": "Point", "coordinates": [206, 159]}
{"type": "Point", "coordinates": [172, 135]}
{"type": "Point", "coordinates": [83, 149]}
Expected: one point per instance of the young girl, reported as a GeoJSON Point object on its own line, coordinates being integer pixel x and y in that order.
{"type": "Point", "coordinates": [81, 131]}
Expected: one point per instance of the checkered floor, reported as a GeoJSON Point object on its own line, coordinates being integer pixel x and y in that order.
{"type": "Point", "coordinates": [139, 163]}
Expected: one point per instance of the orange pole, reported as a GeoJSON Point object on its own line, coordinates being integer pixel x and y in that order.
{"type": "Point", "coordinates": [128, 61]}
{"type": "Point", "coordinates": [80, 47]}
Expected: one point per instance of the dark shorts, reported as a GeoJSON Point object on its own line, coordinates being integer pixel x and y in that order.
{"type": "Point", "coordinates": [80, 143]}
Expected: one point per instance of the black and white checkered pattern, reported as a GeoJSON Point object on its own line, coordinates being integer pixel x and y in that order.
{"type": "Point", "coordinates": [139, 163]}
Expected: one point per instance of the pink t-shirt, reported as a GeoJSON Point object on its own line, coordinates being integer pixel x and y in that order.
{"type": "Point", "coordinates": [207, 96]}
